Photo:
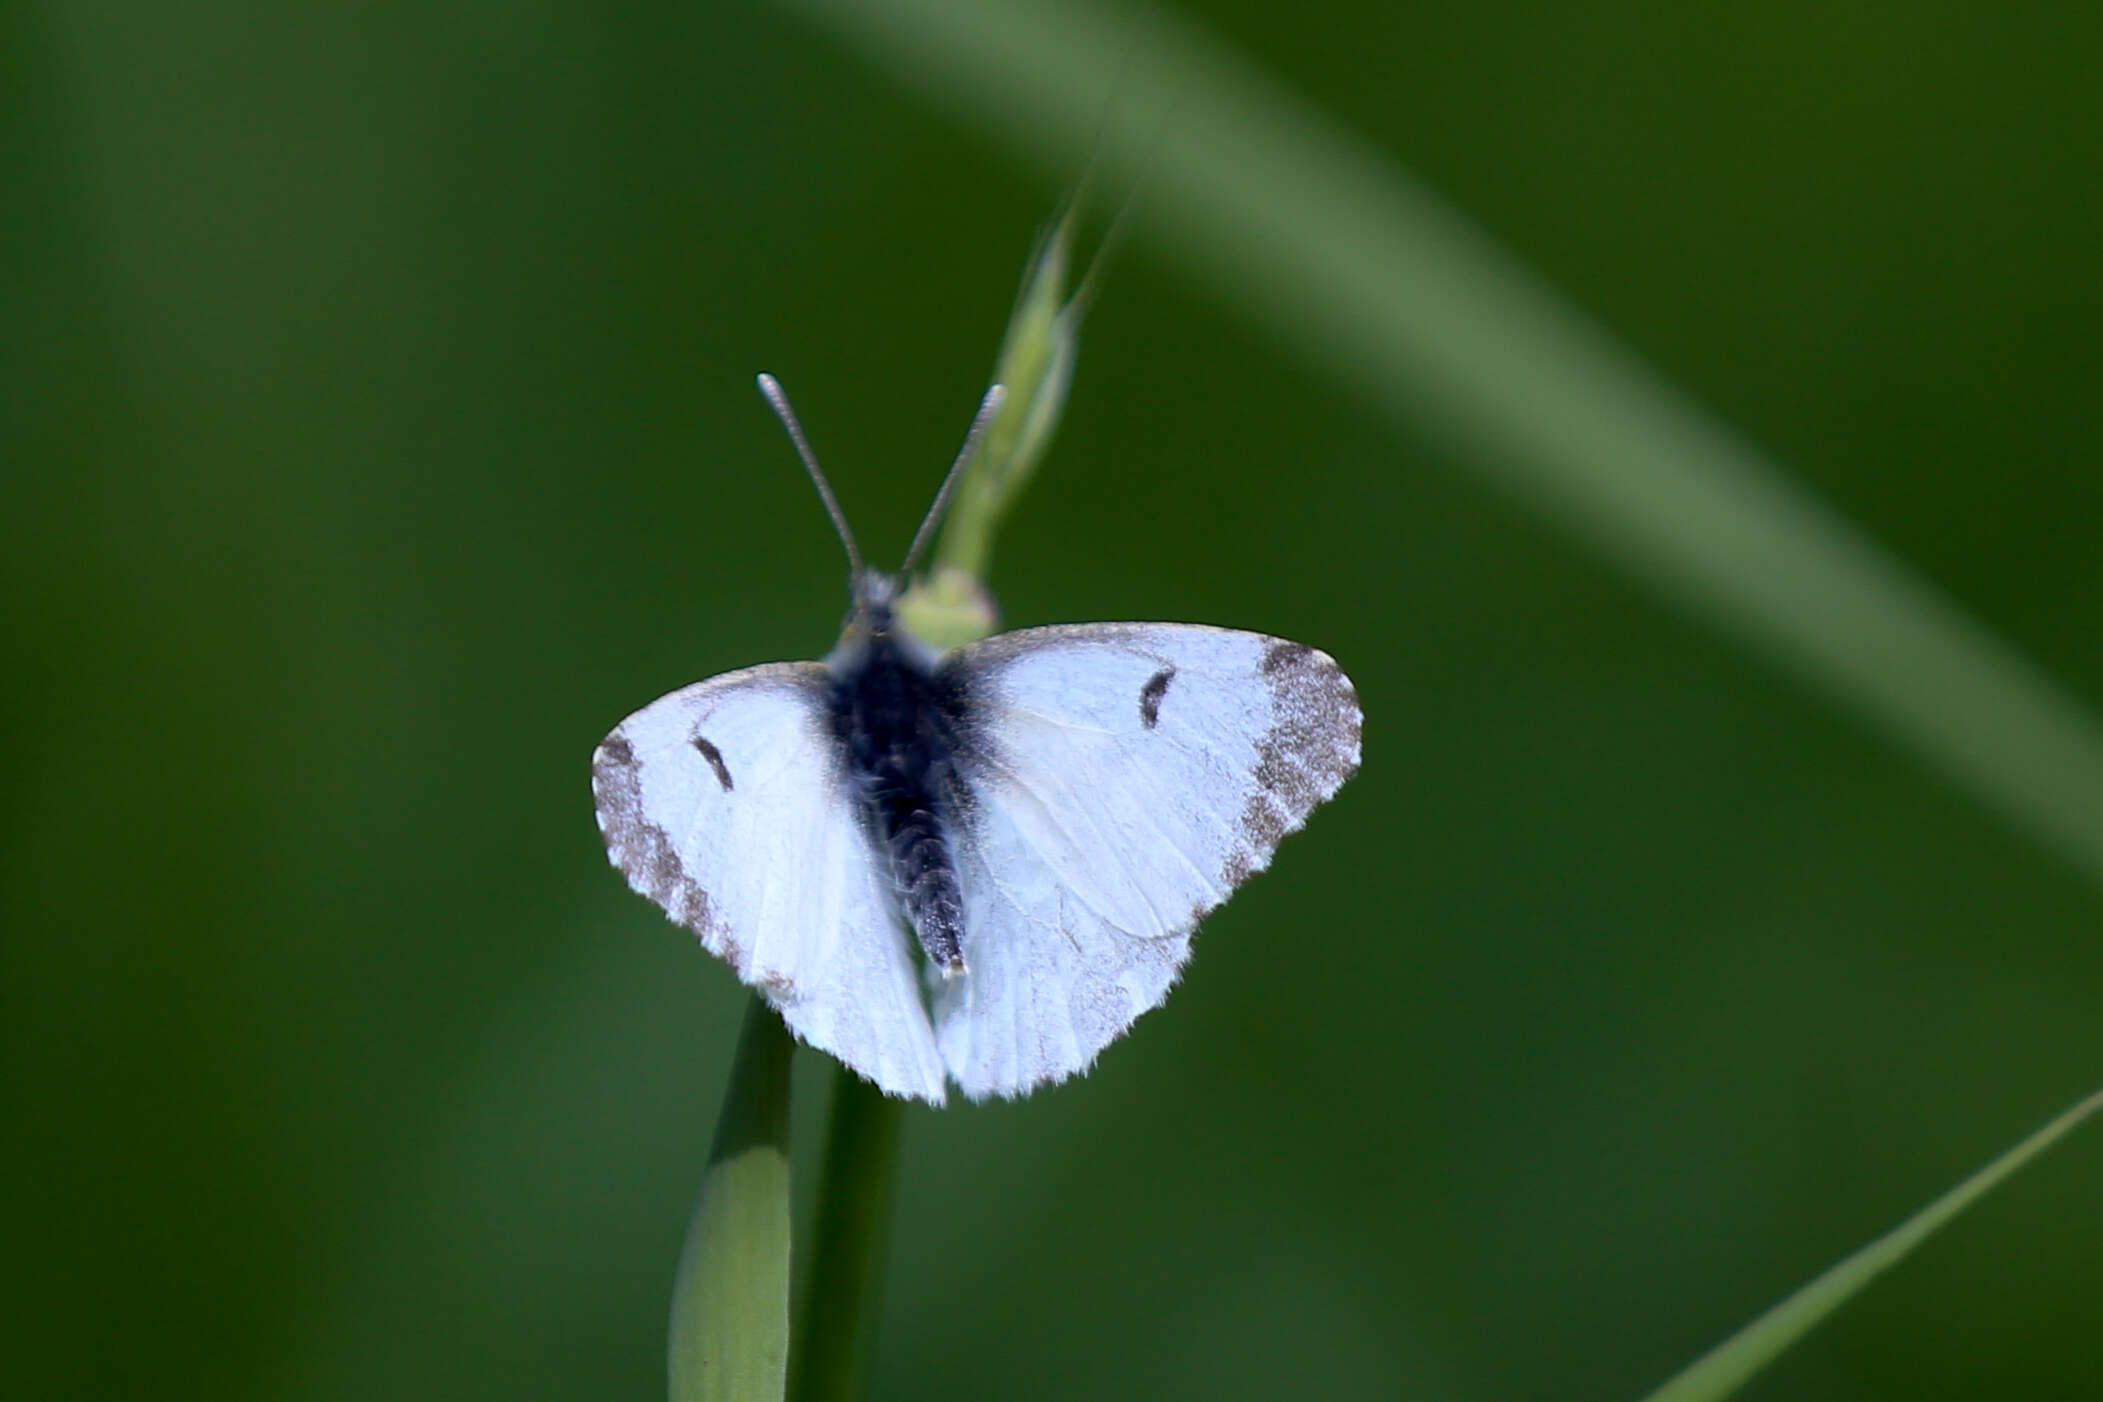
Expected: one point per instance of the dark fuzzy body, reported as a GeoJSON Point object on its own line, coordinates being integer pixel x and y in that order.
{"type": "Point", "coordinates": [899, 720]}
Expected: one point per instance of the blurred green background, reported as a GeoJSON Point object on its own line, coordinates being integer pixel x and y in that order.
{"type": "Point", "coordinates": [379, 430]}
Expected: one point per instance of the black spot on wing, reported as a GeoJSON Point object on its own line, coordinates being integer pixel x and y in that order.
{"type": "Point", "coordinates": [714, 757]}
{"type": "Point", "coordinates": [1150, 696]}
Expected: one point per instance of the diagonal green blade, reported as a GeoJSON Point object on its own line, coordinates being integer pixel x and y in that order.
{"type": "Point", "coordinates": [1725, 1368]}
{"type": "Point", "coordinates": [1333, 248]}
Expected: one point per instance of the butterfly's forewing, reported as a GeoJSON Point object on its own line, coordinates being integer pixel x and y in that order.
{"type": "Point", "coordinates": [727, 803]}
{"type": "Point", "coordinates": [1118, 781]}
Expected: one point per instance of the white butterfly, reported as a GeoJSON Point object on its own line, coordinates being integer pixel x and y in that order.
{"type": "Point", "coordinates": [1047, 814]}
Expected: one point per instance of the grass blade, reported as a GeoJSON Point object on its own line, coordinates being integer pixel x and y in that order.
{"type": "Point", "coordinates": [836, 1323]}
{"type": "Point", "coordinates": [1725, 1368]}
{"type": "Point", "coordinates": [730, 1308]}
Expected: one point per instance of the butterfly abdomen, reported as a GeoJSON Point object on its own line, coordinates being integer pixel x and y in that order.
{"type": "Point", "coordinates": [927, 880]}
{"type": "Point", "coordinates": [894, 716]}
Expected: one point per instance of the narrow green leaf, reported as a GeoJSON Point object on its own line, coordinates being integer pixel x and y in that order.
{"type": "Point", "coordinates": [730, 1309]}
{"type": "Point", "coordinates": [1725, 1368]}
{"type": "Point", "coordinates": [1331, 246]}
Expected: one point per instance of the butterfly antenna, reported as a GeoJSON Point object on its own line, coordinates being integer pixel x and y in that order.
{"type": "Point", "coordinates": [779, 402]}
{"type": "Point", "coordinates": [987, 408]}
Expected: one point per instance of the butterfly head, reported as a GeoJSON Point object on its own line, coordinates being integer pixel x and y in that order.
{"type": "Point", "coordinates": [873, 614]}
{"type": "Point", "coordinates": [873, 624]}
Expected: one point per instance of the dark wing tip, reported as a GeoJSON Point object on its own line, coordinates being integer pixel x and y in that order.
{"type": "Point", "coordinates": [1319, 724]}
{"type": "Point", "coordinates": [1312, 747]}
{"type": "Point", "coordinates": [639, 848]}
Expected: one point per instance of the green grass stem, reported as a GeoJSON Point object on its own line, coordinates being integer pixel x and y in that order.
{"type": "Point", "coordinates": [730, 1308]}
{"type": "Point", "coordinates": [836, 1323]}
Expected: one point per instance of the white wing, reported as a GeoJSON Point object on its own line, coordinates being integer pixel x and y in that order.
{"type": "Point", "coordinates": [1119, 781]}
{"type": "Point", "coordinates": [727, 803]}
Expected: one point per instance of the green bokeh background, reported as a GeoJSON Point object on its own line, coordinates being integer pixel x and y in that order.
{"type": "Point", "coordinates": [379, 429]}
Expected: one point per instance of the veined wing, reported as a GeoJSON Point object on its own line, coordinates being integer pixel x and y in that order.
{"type": "Point", "coordinates": [1118, 782]}
{"type": "Point", "coordinates": [728, 804]}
